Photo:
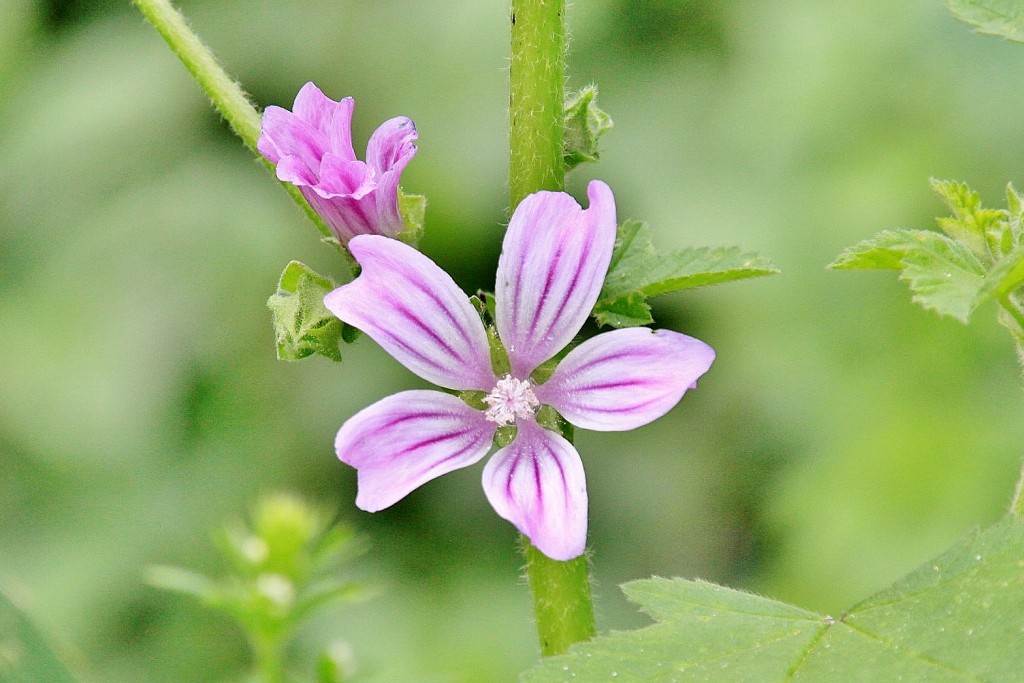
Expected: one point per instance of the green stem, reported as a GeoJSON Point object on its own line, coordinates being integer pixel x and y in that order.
{"type": "Point", "coordinates": [537, 97]}
{"type": "Point", "coordinates": [227, 97]}
{"type": "Point", "coordinates": [561, 600]}
{"type": "Point", "coordinates": [561, 590]}
{"type": "Point", "coordinates": [1013, 319]}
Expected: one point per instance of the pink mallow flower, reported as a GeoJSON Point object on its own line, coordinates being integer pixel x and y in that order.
{"type": "Point", "coordinates": [553, 263]}
{"type": "Point", "coordinates": [312, 147]}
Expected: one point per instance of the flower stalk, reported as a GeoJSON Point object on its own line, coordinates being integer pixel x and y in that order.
{"type": "Point", "coordinates": [563, 607]}
{"type": "Point", "coordinates": [227, 96]}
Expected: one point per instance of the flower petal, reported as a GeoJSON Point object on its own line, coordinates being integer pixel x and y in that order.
{"type": "Point", "coordinates": [405, 440]}
{"type": "Point", "coordinates": [537, 483]}
{"type": "Point", "coordinates": [416, 312]}
{"type": "Point", "coordinates": [623, 379]}
{"type": "Point", "coordinates": [392, 145]}
{"type": "Point", "coordinates": [552, 267]}
{"type": "Point", "coordinates": [284, 134]}
{"type": "Point", "coordinates": [334, 119]}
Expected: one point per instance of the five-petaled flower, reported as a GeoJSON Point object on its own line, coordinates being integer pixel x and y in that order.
{"type": "Point", "coordinates": [553, 263]}
{"type": "Point", "coordinates": [312, 147]}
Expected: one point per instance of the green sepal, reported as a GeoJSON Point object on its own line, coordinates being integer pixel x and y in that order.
{"type": "Point", "coordinates": [585, 122]}
{"type": "Point", "coordinates": [302, 324]}
{"type": "Point", "coordinates": [1002, 18]}
{"type": "Point", "coordinates": [984, 231]}
{"type": "Point", "coordinates": [944, 275]}
{"type": "Point", "coordinates": [413, 208]}
{"type": "Point", "coordinates": [638, 271]}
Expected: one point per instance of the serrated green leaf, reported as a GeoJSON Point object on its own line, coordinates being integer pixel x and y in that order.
{"type": "Point", "coordinates": [955, 619]}
{"type": "Point", "coordinates": [983, 231]}
{"type": "Point", "coordinates": [302, 324]}
{"type": "Point", "coordinates": [943, 275]}
{"type": "Point", "coordinates": [585, 123]}
{"type": "Point", "coordinates": [631, 310]}
{"type": "Point", "coordinates": [1015, 211]}
{"type": "Point", "coordinates": [638, 271]}
{"type": "Point", "coordinates": [1003, 18]}
{"type": "Point", "coordinates": [25, 656]}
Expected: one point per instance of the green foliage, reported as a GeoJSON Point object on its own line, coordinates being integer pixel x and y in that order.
{"type": "Point", "coordinates": [638, 271]}
{"type": "Point", "coordinates": [1003, 18]}
{"type": "Point", "coordinates": [283, 568]}
{"type": "Point", "coordinates": [302, 324]}
{"type": "Point", "coordinates": [980, 257]}
{"type": "Point", "coordinates": [585, 122]}
{"type": "Point", "coordinates": [25, 656]}
{"type": "Point", "coordinates": [943, 274]}
{"type": "Point", "coordinates": [956, 618]}
{"type": "Point", "coordinates": [413, 208]}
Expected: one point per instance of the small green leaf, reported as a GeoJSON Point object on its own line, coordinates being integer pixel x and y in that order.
{"type": "Point", "coordinates": [1006, 276]}
{"type": "Point", "coordinates": [955, 619]}
{"type": "Point", "coordinates": [984, 231]}
{"type": "Point", "coordinates": [413, 208]}
{"type": "Point", "coordinates": [1015, 211]}
{"type": "Point", "coordinates": [943, 275]}
{"type": "Point", "coordinates": [1003, 18]}
{"type": "Point", "coordinates": [25, 656]}
{"type": "Point", "coordinates": [585, 122]}
{"type": "Point", "coordinates": [638, 271]}
{"type": "Point", "coordinates": [631, 310]}
{"type": "Point", "coordinates": [302, 324]}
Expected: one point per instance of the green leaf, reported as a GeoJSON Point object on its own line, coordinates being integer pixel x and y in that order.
{"type": "Point", "coordinates": [302, 324]}
{"type": "Point", "coordinates": [953, 620]}
{"type": "Point", "coordinates": [585, 122]}
{"type": "Point", "coordinates": [1006, 276]}
{"type": "Point", "coordinates": [631, 310]}
{"type": "Point", "coordinates": [413, 208]}
{"type": "Point", "coordinates": [1003, 18]}
{"type": "Point", "coordinates": [984, 231]}
{"type": "Point", "coordinates": [638, 271]}
{"type": "Point", "coordinates": [25, 656]}
{"type": "Point", "coordinates": [943, 275]}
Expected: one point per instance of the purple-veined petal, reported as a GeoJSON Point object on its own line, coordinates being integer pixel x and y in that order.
{"type": "Point", "coordinates": [285, 134]}
{"type": "Point", "coordinates": [552, 267]}
{"type": "Point", "coordinates": [537, 483]}
{"type": "Point", "coordinates": [343, 177]}
{"type": "Point", "coordinates": [391, 145]}
{"type": "Point", "coordinates": [405, 440]}
{"type": "Point", "coordinates": [623, 379]}
{"type": "Point", "coordinates": [313, 107]}
{"type": "Point", "coordinates": [416, 312]}
{"type": "Point", "coordinates": [291, 169]}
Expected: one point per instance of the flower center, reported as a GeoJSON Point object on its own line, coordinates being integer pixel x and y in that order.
{"type": "Point", "coordinates": [511, 398]}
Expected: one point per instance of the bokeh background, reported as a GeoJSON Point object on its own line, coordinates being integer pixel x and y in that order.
{"type": "Point", "coordinates": [842, 437]}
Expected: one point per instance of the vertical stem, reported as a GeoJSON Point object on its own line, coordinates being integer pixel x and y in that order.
{"type": "Point", "coordinates": [561, 600]}
{"type": "Point", "coordinates": [227, 97]}
{"type": "Point", "coordinates": [537, 97]}
{"type": "Point", "coordinates": [561, 590]}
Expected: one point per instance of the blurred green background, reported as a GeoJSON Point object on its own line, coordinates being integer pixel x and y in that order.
{"type": "Point", "coordinates": [842, 437]}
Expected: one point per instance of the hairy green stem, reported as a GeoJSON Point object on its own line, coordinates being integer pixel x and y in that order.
{"type": "Point", "coordinates": [226, 95]}
{"type": "Point", "coordinates": [537, 98]}
{"type": "Point", "coordinates": [561, 599]}
{"type": "Point", "coordinates": [562, 603]}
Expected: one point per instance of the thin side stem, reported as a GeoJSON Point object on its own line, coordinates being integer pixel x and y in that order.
{"type": "Point", "coordinates": [227, 96]}
{"type": "Point", "coordinates": [1012, 318]}
{"type": "Point", "coordinates": [563, 607]}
